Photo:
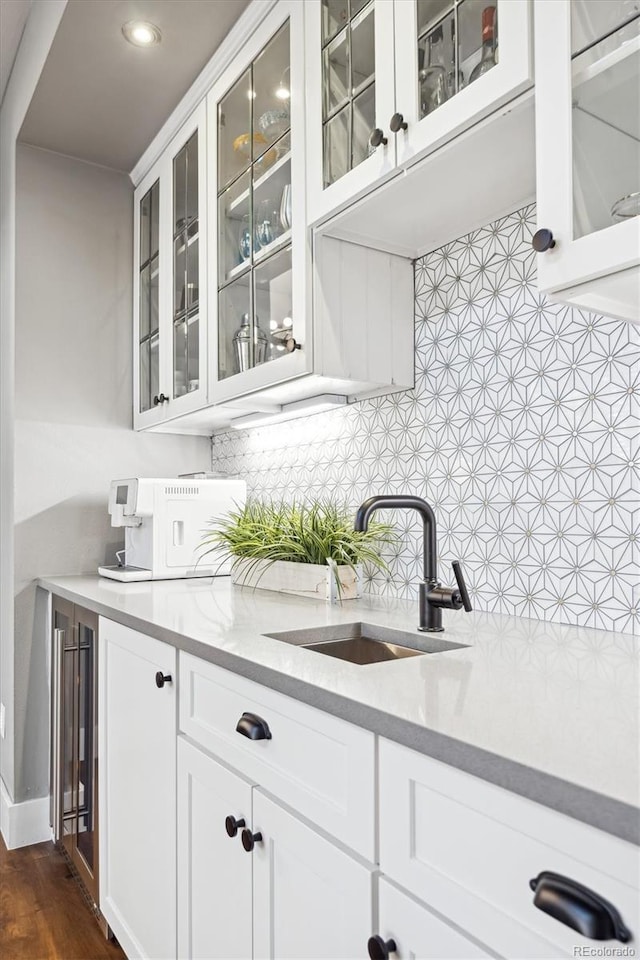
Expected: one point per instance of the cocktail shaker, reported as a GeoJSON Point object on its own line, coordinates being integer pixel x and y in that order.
{"type": "Point", "coordinates": [249, 344]}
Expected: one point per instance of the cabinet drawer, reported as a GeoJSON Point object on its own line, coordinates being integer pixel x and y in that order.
{"type": "Point", "coordinates": [445, 834]}
{"type": "Point", "coordinates": [419, 934]}
{"type": "Point", "coordinates": [320, 765]}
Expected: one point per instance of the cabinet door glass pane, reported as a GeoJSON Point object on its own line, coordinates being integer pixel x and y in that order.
{"type": "Point", "coordinates": [457, 44]}
{"type": "Point", "coordinates": [606, 113]}
{"type": "Point", "coordinates": [235, 143]}
{"type": "Point", "coordinates": [336, 73]}
{"type": "Point", "coordinates": [364, 112]}
{"type": "Point", "coordinates": [273, 304]}
{"type": "Point", "coordinates": [337, 139]}
{"type": "Point", "coordinates": [254, 211]}
{"type": "Point", "coordinates": [335, 15]}
{"type": "Point", "coordinates": [235, 232]}
{"type": "Point", "coordinates": [348, 71]}
{"type": "Point", "coordinates": [186, 294]}
{"type": "Point", "coordinates": [236, 337]}
{"type": "Point", "coordinates": [271, 82]}
{"type": "Point", "coordinates": [148, 296]}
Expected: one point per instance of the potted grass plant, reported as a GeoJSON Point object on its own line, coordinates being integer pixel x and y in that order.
{"type": "Point", "coordinates": [310, 550]}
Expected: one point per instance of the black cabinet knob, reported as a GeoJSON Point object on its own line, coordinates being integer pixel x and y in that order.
{"type": "Point", "coordinates": [249, 839]}
{"type": "Point", "coordinates": [462, 587]}
{"type": "Point", "coordinates": [398, 123]}
{"type": "Point", "coordinates": [377, 137]}
{"type": "Point", "coordinates": [253, 727]}
{"type": "Point", "coordinates": [291, 344]}
{"type": "Point", "coordinates": [162, 678]}
{"type": "Point", "coordinates": [160, 398]}
{"type": "Point", "coordinates": [543, 240]}
{"type": "Point", "coordinates": [380, 949]}
{"type": "Point", "coordinates": [232, 825]}
{"type": "Point", "coordinates": [578, 907]}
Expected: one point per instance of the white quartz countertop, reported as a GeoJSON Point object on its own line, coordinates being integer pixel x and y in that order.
{"type": "Point", "coordinates": [546, 710]}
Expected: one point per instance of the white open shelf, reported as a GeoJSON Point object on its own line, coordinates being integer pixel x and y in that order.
{"type": "Point", "coordinates": [276, 176]}
{"type": "Point", "coordinates": [259, 257]}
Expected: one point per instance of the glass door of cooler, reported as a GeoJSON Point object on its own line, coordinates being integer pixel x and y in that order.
{"type": "Point", "coordinates": [350, 95]}
{"type": "Point", "coordinates": [456, 62]}
{"type": "Point", "coordinates": [256, 200]}
{"type": "Point", "coordinates": [74, 751]}
{"type": "Point", "coordinates": [588, 139]}
{"type": "Point", "coordinates": [84, 846]}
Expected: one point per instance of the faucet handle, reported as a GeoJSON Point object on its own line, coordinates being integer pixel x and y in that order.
{"type": "Point", "coordinates": [462, 587]}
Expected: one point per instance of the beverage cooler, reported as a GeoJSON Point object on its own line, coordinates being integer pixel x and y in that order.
{"type": "Point", "coordinates": [74, 759]}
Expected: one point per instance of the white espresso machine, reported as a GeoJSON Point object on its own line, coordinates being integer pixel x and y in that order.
{"type": "Point", "coordinates": [165, 522]}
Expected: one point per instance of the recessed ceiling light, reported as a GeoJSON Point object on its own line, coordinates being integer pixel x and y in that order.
{"type": "Point", "coordinates": [141, 33]}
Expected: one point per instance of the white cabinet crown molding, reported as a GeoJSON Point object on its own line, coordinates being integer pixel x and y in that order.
{"type": "Point", "coordinates": [232, 44]}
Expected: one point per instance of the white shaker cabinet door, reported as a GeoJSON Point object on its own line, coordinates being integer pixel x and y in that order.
{"type": "Point", "coordinates": [310, 899]}
{"type": "Point", "coordinates": [214, 869]}
{"type": "Point", "coordinates": [416, 933]}
{"type": "Point", "coordinates": [137, 743]}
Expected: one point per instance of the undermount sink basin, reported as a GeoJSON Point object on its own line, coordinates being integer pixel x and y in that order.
{"type": "Point", "coordinates": [365, 643]}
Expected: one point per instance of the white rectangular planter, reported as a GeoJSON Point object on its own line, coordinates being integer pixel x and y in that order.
{"type": "Point", "coordinates": [301, 579]}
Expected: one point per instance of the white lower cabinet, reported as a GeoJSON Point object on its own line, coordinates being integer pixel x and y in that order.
{"type": "Point", "coordinates": [310, 898]}
{"type": "Point", "coordinates": [411, 932]}
{"type": "Point", "coordinates": [226, 843]}
{"type": "Point", "coordinates": [253, 880]}
{"type": "Point", "coordinates": [137, 792]}
{"type": "Point", "coordinates": [214, 870]}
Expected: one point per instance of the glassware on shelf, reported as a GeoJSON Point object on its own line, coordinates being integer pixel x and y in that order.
{"type": "Point", "coordinates": [267, 223]}
{"type": "Point", "coordinates": [488, 58]}
{"type": "Point", "coordinates": [244, 240]}
{"type": "Point", "coordinates": [285, 207]}
{"type": "Point", "coordinates": [434, 77]}
{"type": "Point", "coordinates": [626, 207]}
{"type": "Point", "coordinates": [605, 101]}
{"type": "Point", "coordinates": [249, 344]}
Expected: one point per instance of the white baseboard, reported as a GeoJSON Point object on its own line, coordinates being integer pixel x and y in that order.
{"type": "Point", "coordinates": [23, 823]}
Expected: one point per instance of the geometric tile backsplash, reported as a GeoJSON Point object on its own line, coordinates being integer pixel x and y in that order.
{"type": "Point", "coordinates": [522, 432]}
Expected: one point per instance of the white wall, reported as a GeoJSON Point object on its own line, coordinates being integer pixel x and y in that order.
{"type": "Point", "coordinates": [39, 32]}
{"type": "Point", "coordinates": [72, 406]}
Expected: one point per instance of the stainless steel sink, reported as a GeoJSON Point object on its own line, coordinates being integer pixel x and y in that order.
{"type": "Point", "coordinates": [365, 643]}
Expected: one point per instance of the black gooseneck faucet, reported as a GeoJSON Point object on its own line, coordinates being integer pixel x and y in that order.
{"type": "Point", "coordinates": [433, 596]}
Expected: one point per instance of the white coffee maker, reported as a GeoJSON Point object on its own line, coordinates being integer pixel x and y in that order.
{"type": "Point", "coordinates": [165, 521]}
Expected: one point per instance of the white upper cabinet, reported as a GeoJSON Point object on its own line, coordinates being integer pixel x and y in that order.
{"type": "Point", "coordinates": [588, 153]}
{"type": "Point", "coordinates": [350, 93]}
{"type": "Point", "coordinates": [260, 263]}
{"type": "Point", "coordinates": [170, 310]}
{"type": "Point", "coordinates": [390, 81]}
{"type": "Point", "coordinates": [443, 48]}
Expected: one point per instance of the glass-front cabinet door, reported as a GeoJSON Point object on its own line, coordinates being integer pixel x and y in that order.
{"type": "Point", "coordinates": [350, 95]}
{"type": "Point", "coordinates": [456, 62]}
{"type": "Point", "coordinates": [170, 376]}
{"type": "Point", "coordinates": [257, 198]}
{"type": "Point", "coordinates": [588, 151]}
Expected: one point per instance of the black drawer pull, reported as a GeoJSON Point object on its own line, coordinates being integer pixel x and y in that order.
{"type": "Point", "coordinates": [578, 907]}
{"type": "Point", "coordinates": [380, 949]}
{"type": "Point", "coordinates": [232, 825]}
{"type": "Point", "coordinates": [254, 727]}
{"type": "Point", "coordinates": [162, 678]}
{"type": "Point", "coordinates": [249, 839]}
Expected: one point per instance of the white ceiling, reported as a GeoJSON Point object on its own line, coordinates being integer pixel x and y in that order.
{"type": "Point", "coordinates": [100, 98]}
{"type": "Point", "coordinates": [13, 16]}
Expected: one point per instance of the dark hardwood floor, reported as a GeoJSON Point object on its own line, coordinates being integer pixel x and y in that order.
{"type": "Point", "coordinates": [43, 915]}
